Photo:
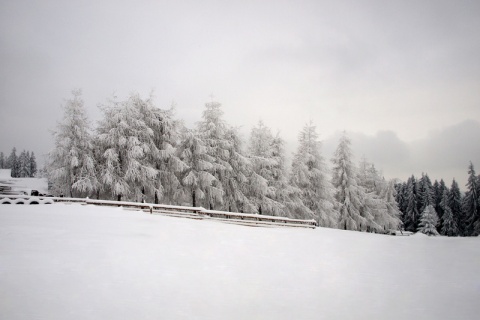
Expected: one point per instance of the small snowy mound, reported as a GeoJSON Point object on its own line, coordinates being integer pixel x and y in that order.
{"type": "Point", "coordinates": [19, 201]}
{"type": "Point", "coordinates": [47, 201]}
{"type": "Point", "coordinates": [5, 201]}
{"type": "Point", "coordinates": [34, 201]}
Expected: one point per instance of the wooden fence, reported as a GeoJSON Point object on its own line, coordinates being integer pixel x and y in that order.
{"type": "Point", "coordinates": [171, 210]}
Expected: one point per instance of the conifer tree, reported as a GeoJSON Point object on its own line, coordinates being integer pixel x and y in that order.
{"type": "Point", "coordinates": [23, 164]}
{"type": "Point", "coordinates": [349, 194]}
{"type": "Point", "coordinates": [32, 165]}
{"type": "Point", "coordinates": [426, 193]}
{"type": "Point", "coordinates": [128, 150]}
{"type": "Point", "coordinates": [379, 198]}
{"type": "Point", "coordinates": [235, 181]}
{"type": "Point", "coordinates": [13, 163]}
{"type": "Point", "coordinates": [71, 162]}
{"type": "Point", "coordinates": [392, 218]}
{"type": "Point", "coordinates": [401, 198]}
{"type": "Point", "coordinates": [2, 160]}
{"type": "Point", "coordinates": [285, 193]}
{"type": "Point", "coordinates": [449, 227]}
{"type": "Point", "coordinates": [310, 175]}
{"type": "Point", "coordinates": [166, 137]}
{"type": "Point", "coordinates": [439, 188]}
{"type": "Point", "coordinates": [455, 204]}
{"type": "Point", "coordinates": [212, 129]}
{"type": "Point", "coordinates": [262, 190]}
{"type": "Point", "coordinates": [428, 221]}
{"type": "Point", "coordinates": [196, 178]}
{"type": "Point", "coordinates": [471, 205]}
{"type": "Point", "coordinates": [411, 217]}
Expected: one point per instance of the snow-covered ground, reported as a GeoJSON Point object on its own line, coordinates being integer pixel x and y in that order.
{"type": "Point", "coordinates": [85, 262]}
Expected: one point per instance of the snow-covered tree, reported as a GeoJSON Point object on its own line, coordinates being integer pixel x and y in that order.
{"type": "Point", "coordinates": [32, 165]}
{"type": "Point", "coordinates": [166, 137]}
{"type": "Point", "coordinates": [13, 163]}
{"type": "Point", "coordinates": [285, 193]}
{"type": "Point", "coordinates": [428, 221]}
{"type": "Point", "coordinates": [128, 149]}
{"type": "Point", "coordinates": [2, 160]}
{"type": "Point", "coordinates": [236, 181]}
{"type": "Point", "coordinates": [349, 194]}
{"type": "Point", "coordinates": [439, 188]}
{"type": "Point", "coordinates": [310, 175]}
{"type": "Point", "coordinates": [71, 162]}
{"type": "Point", "coordinates": [379, 197]}
{"type": "Point", "coordinates": [411, 216]}
{"type": "Point", "coordinates": [24, 164]}
{"type": "Point", "coordinates": [392, 219]}
{"type": "Point", "coordinates": [212, 129]}
{"type": "Point", "coordinates": [196, 177]}
{"type": "Point", "coordinates": [426, 193]}
{"type": "Point", "coordinates": [262, 190]}
{"type": "Point", "coordinates": [449, 227]}
{"type": "Point", "coordinates": [455, 204]}
{"type": "Point", "coordinates": [471, 203]}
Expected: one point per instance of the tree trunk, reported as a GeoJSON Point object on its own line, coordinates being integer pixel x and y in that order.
{"type": "Point", "coordinates": [194, 202]}
{"type": "Point", "coordinates": [156, 197]}
{"type": "Point", "coordinates": [119, 197]}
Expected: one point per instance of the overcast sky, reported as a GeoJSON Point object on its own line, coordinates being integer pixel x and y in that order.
{"type": "Point", "coordinates": [402, 77]}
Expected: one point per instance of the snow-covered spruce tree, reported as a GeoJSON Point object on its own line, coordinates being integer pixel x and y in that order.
{"type": "Point", "coordinates": [13, 163]}
{"type": "Point", "coordinates": [71, 164]}
{"type": "Point", "coordinates": [212, 130]}
{"type": "Point", "coordinates": [471, 204]}
{"type": "Point", "coordinates": [236, 181]}
{"type": "Point", "coordinates": [411, 216]}
{"type": "Point", "coordinates": [449, 227]}
{"type": "Point", "coordinates": [285, 193]}
{"type": "Point", "coordinates": [426, 193]}
{"type": "Point", "coordinates": [310, 175]}
{"type": "Point", "coordinates": [166, 137]}
{"type": "Point", "coordinates": [349, 194]}
{"type": "Point", "coordinates": [402, 199]}
{"type": "Point", "coordinates": [439, 188]}
{"type": "Point", "coordinates": [455, 204]}
{"type": "Point", "coordinates": [32, 165]}
{"type": "Point", "coordinates": [128, 150]}
{"type": "Point", "coordinates": [2, 160]}
{"type": "Point", "coordinates": [261, 189]}
{"type": "Point", "coordinates": [196, 178]}
{"type": "Point", "coordinates": [392, 218]}
{"type": "Point", "coordinates": [428, 221]}
{"type": "Point", "coordinates": [377, 193]}
{"type": "Point", "coordinates": [23, 161]}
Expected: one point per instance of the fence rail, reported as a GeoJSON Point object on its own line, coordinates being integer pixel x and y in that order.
{"type": "Point", "coordinates": [171, 210]}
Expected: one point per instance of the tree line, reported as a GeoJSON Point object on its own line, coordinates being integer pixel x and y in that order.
{"type": "Point", "coordinates": [450, 212]}
{"type": "Point", "coordinates": [140, 152]}
{"type": "Point", "coordinates": [23, 165]}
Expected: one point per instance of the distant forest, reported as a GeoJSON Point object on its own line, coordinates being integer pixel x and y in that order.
{"type": "Point", "coordinates": [140, 152]}
{"type": "Point", "coordinates": [23, 165]}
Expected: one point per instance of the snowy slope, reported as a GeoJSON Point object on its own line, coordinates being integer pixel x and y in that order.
{"type": "Point", "coordinates": [84, 262]}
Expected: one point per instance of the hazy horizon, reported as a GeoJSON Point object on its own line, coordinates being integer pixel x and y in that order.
{"type": "Point", "coordinates": [402, 79]}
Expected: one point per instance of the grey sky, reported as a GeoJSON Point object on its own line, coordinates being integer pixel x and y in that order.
{"type": "Point", "coordinates": [394, 73]}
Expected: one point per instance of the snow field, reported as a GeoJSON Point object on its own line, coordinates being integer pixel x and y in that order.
{"type": "Point", "coordinates": [86, 262]}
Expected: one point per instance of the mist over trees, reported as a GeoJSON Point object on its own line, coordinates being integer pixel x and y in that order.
{"type": "Point", "coordinates": [139, 152]}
